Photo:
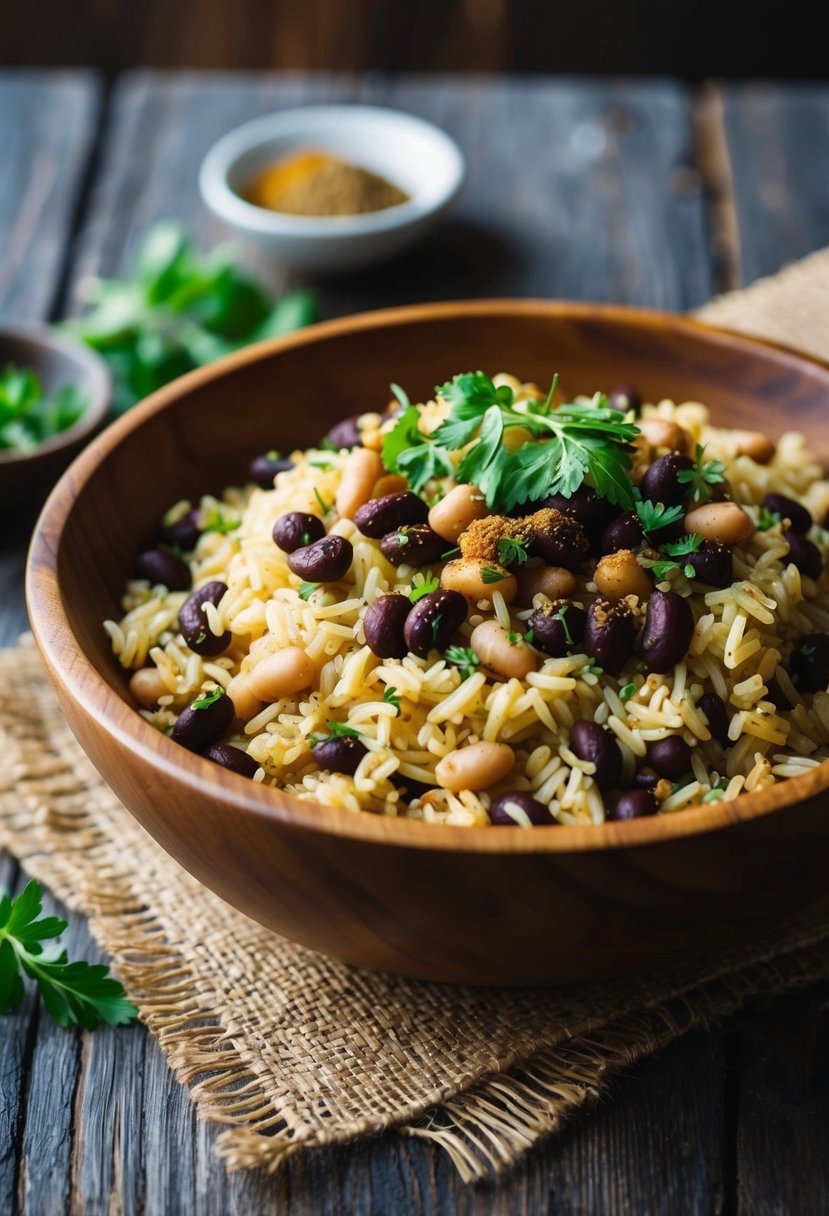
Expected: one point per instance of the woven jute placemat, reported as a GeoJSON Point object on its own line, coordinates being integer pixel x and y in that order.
{"type": "Point", "coordinates": [289, 1050]}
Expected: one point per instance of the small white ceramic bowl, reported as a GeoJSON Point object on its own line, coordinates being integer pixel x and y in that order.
{"type": "Point", "coordinates": [416, 156]}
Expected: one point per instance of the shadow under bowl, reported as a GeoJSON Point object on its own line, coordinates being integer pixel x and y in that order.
{"type": "Point", "coordinates": [482, 906]}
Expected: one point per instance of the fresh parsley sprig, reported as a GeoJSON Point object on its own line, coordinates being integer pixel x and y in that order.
{"type": "Point", "coordinates": [512, 550]}
{"type": "Point", "coordinates": [654, 516]}
{"type": "Point", "coordinates": [392, 697]}
{"type": "Point", "coordinates": [336, 730]}
{"type": "Point", "coordinates": [678, 549]}
{"type": "Point", "coordinates": [462, 657]}
{"type": "Point", "coordinates": [423, 584]}
{"type": "Point", "coordinates": [704, 475]}
{"type": "Point", "coordinates": [75, 994]}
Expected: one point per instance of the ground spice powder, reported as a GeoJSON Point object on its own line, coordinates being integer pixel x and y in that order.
{"type": "Point", "coordinates": [316, 184]}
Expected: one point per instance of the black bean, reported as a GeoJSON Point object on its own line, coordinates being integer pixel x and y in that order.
{"type": "Point", "coordinates": [185, 532]}
{"type": "Point", "coordinates": [623, 532]}
{"type": "Point", "coordinates": [670, 757]}
{"type": "Point", "coordinates": [609, 633]}
{"type": "Point", "coordinates": [634, 804]}
{"type": "Point", "coordinates": [383, 626]}
{"type": "Point", "coordinates": [775, 694]}
{"type": "Point", "coordinates": [809, 663]}
{"type": "Point", "coordinates": [297, 529]}
{"type": "Point", "coordinates": [193, 623]}
{"type": "Point", "coordinates": [644, 780]}
{"type": "Point", "coordinates": [592, 512]}
{"type": "Point", "coordinates": [345, 433]}
{"type": "Point", "coordinates": [381, 515]}
{"type": "Point", "coordinates": [414, 546]}
{"type": "Point", "coordinates": [800, 520]}
{"type": "Point", "coordinates": [712, 564]}
{"type": "Point", "coordinates": [409, 788]}
{"type": "Point", "coordinates": [325, 561]}
{"type": "Point", "coordinates": [196, 729]}
{"type": "Point", "coordinates": [233, 758]}
{"type": "Point", "coordinates": [162, 566]}
{"type": "Point", "coordinates": [661, 480]}
{"type": "Point", "coordinates": [669, 627]}
{"type": "Point", "coordinates": [558, 627]}
{"type": "Point", "coordinates": [339, 755]}
{"type": "Point", "coordinates": [804, 554]}
{"type": "Point", "coordinates": [262, 469]}
{"type": "Point", "coordinates": [592, 742]}
{"type": "Point", "coordinates": [564, 543]}
{"type": "Point", "coordinates": [509, 810]}
{"type": "Point", "coordinates": [433, 620]}
{"type": "Point", "coordinates": [715, 713]}
{"type": "Point", "coordinates": [624, 398]}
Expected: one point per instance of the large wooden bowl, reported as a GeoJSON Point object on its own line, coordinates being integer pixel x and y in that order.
{"type": "Point", "coordinates": [496, 906]}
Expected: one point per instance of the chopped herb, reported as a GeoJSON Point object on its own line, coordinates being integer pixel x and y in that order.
{"type": "Point", "coordinates": [514, 639]}
{"type": "Point", "coordinates": [679, 548]}
{"type": "Point", "coordinates": [406, 450]}
{"type": "Point", "coordinates": [512, 550]}
{"type": "Point", "coordinates": [392, 697]}
{"type": "Point", "coordinates": [768, 519]}
{"type": "Point", "coordinates": [201, 637]}
{"type": "Point", "coordinates": [626, 693]}
{"type": "Point", "coordinates": [402, 538]}
{"type": "Point", "coordinates": [594, 669]}
{"type": "Point", "coordinates": [435, 626]}
{"type": "Point", "coordinates": [422, 584]}
{"type": "Point", "coordinates": [306, 590]}
{"type": "Point", "coordinates": [215, 520]}
{"type": "Point", "coordinates": [655, 515]}
{"type": "Point", "coordinates": [806, 650]}
{"type": "Point", "coordinates": [450, 553]}
{"type": "Point", "coordinates": [323, 461]}
{"type": "Point", "coordinates": [325, 507]}
{"type": "Point", "coordinates": [75, 994]}
{"type": "Point", "coordinates": [272, 455]}
{"type": "Point", "coordinates": [462, 657]}
{"type": "Point", "coordinates": [401, 395]}
{"type": "Point", "coordinates": [327, 445]}
{"type": "Point", "coordinates": [28, 415]}
{"type": "Point", "coordinates": [702, 476]}
{"type": "Point", "coordinates": [561, 615]}
{"type": "Point", "coordinates": [336, 730]}
{"type": "Point", "coordinates": [209, 698]}
{"type": "Point", "coordinates": [529, 637]}
{"type": "Point", "coordinates": [490, 575]}
{"type": "Point", "coordinates": [713, 795]}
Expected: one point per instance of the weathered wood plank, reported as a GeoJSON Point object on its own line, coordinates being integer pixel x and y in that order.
{"type": "Point", "coordinates": [778, 143]}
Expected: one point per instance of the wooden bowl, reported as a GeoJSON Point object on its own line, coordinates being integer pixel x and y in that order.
{"type": "Point", "coordinates": [482, 906]}
{"type": "Point", "coordinates": [57, 360]}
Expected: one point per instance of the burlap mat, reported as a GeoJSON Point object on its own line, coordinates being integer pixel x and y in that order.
{"type": "Point", "coordinates": [288, 1050]}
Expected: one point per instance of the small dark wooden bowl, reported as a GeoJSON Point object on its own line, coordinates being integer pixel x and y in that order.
{"type": "Point", "coordinates": [57, 361]}
{"type": "Point", "coordinates": [494, 906]}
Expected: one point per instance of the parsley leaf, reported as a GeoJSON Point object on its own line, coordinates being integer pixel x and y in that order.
{"type": "Point", "coordinates": [462, 657]}
{"type": "Point", "coordinates": [512, 550]}
{"type": "Point", "coordinates": [768, 519]}
{"type": "Point", "coordinates": [214, 519]}
{"type": "Point", "coordinates": [306, 590]}
{"type": "Point", "coordinates": [678, 548]}
{"type": "Point", "coordinates": [422, 584]}
{"type": "Point", "coordinates": [75, 994]}
{"type": "Point", "coordinates": [561, 615]}
{"type": "Point", "coordinates": [325, 507]}
{"type": "Point", "coordinates": [208, 698]}
{"type": "Point", "coordinates": [626, 693]}
{"type": "Point", "coordinates": [401, 395]}
{"type": "Point", "coordinates": [489, 574]}
{"type": "Point", "coordinates": [655, 515]}
{"type": "Point", "coordinates": [702, 476]}
{"type": "Point", "coordinates": [392, 697]}
{"type": "Point", "coordinates": [336, 730]}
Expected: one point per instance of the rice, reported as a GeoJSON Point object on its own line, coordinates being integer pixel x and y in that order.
{"type": "Point", "coordinates": [411, 713]}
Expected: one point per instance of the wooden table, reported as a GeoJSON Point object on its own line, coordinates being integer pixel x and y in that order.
{"type": "Point", "coordinates": [628, 191]}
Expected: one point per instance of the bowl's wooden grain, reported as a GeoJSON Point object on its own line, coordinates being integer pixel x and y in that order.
{"type": "Point", "coordinates": [501, 906]}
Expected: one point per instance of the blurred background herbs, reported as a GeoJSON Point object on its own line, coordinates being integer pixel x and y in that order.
{"type": "Point", "coordinates": [28, 415]}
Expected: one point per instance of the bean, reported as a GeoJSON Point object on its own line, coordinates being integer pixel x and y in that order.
{"type": "Point", "coordinates": [754, 444]}
{"type": "Point", "coordinates": [670, 757]}
{"type": "Point", "coordinates": [800, 520]}
{"type": "Point", "coordinates": [456, 511]}
{"type": "Point", "coordinates": [232, 758]}
{"type": "Point", "coordinates": [624, 398]}
{"type": "Point", "coordinates": [381, 515]}
{"type": "Point", "coordinates": [361, 471]}
{"type": "Point", "coordinates": [804, 554]}
{"type": "Point", "coordinates": [196, 729]}
{"type": "Point", "coordinates": [519, 809]}
{"type": "Point", "coordinates": [409, 788]}
{"type": "Point", "coordinates": [558, 538]}
{"type": "Point", "coordinates": [619, 574]}
{"type": "Point", "coordinates": [282, 674]}
{"type": "Point", "coordinates": [593, 743]}
{"type": "Point", "coordinates": [263, 469]}
{"type": "Point", "coordinates": [247, 706]}
{"type": "Point", "coordinates": [345, 433]}
{"type": "Point", "coordinates": [433, 620]}
{"type": "Point", "coordinates": [712, 564]}
{"type": "Point", "coordinates": [587, 507]}
{"type": "Point", "coordinates": [383, 626]}
{"type": "Point", "coordinates": [720, 521]}
{"type": "Point", "coordinates": [809, 663]}
{"type": "Point", "coordinates": [185, 531]}
{"type": "Point", "coordinates": [146, 685]}
{"type": "Point", "coordinates": [644, 780]}
{"type": "Point", "coordinates": [634, 804]}
{"type": "Point", "coordinates": [479, 580]}
{"type": "Point", "coordinates": [623, 532]}
{"type": "Point", "coordinates": [669, 627]}
{"type": "Point", "coordinates": [609, 633]}
{"type": "Point", "coordinates": [558, 627]}
{"type": "Point", "coordinates": [475, 767]}
{"type": "Point", "coordinates": [414, 546]}
{"type": "Point", "coordinates": [775, 694]}
{"type": "Point", "coordinates": [162, 566]}
{"type": "Point", "coordinates": [661, 433]}
{"type": "Point", "coordinates": [715, 713]}
{"type": "Point", "coordinates": [389, 483]}
{"type": "Point", "coordinates": [325, 561]}
{"type": "Point", "coordinates": [661, 482]}
{"type": "Point", "coordinates": [553, 581]}
{"type": "Point", "coordinates": [193, 623]}
{"type": "Point", "coordinates": [492, 645]}
{"type": "Point", "coordinates": [296, 529]}
{"type": "Point", "coordinates": [339, 755]}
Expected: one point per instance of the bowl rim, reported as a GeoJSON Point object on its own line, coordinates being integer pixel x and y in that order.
{"type": "Point", "coordinates": [224, 201]}
{"type": "Point", "coordinates": [81, 682]}
{"type": "Point", "coordinates": [100, 390]}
